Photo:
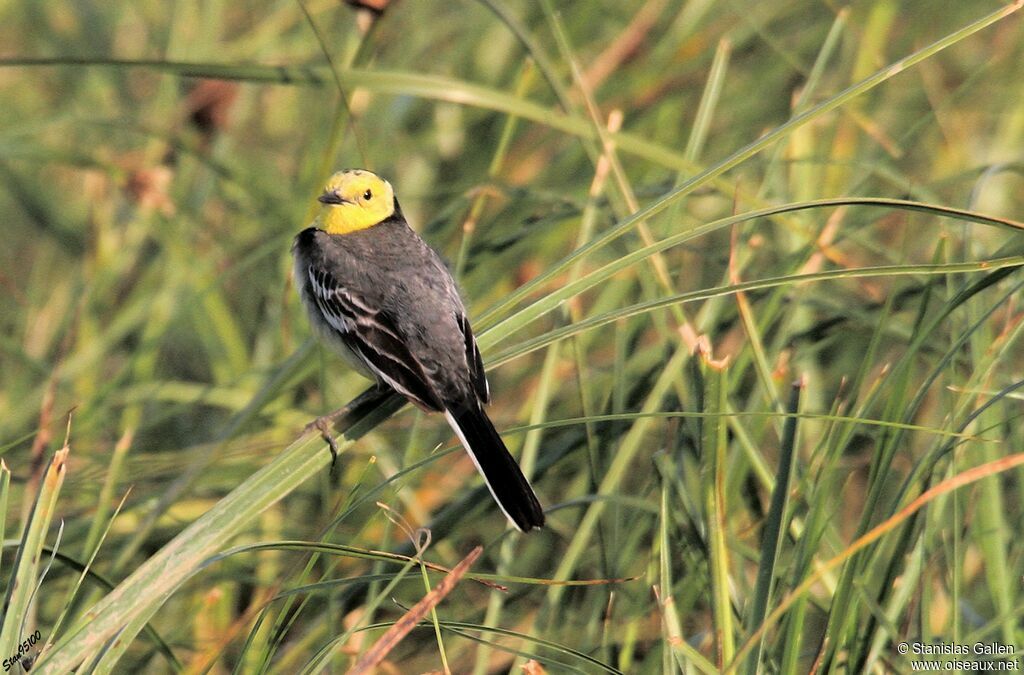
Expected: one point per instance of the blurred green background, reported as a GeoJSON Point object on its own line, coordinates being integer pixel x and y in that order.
{"type": "Point", "coordinates": [157, 158]}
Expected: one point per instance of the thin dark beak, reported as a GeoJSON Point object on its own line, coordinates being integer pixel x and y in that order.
{"type": "Point", "coordinates": [332, 198]}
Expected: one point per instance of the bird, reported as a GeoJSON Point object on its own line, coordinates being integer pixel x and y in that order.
{"type": "Point", "coordinates": [377, 294]}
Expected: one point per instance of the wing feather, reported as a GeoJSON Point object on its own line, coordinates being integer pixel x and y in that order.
{"type": "Point", "coordinates": [476, 364]}
{"type": "Point", "coordinates": [374, 337]}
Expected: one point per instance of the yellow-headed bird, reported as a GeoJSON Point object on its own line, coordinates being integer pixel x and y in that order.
{"type": "Point", "coordinates": [383, 299]}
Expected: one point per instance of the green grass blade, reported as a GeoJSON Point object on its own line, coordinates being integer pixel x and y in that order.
{"type": "Point", "coordinates": [550, 301]}
{"type": "Point", "coordinates": [5, 492]}
{"type": "Point", "coordinates": [774, 530]}
{"type": "Point", "coordinates": [164, 572]}
{"type": "Point", "coordinates": [25, 570]}
{"type": "Point", "coordinates": [713, 469]}
{"type": "Point", "coordinates": [613, 316]}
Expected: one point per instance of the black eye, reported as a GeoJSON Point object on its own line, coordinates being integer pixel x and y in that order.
{"type": "Point", "coordinates": [367, 195]}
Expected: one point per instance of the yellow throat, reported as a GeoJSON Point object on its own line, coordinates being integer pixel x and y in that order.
{"type": "Point", "coordinates": [354, 200]}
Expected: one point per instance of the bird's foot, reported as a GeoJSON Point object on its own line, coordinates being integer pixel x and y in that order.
{"type": "Point", "coordinates": [323, 425]}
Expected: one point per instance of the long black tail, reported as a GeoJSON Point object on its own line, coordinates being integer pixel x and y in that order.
{"type": "Point", "coordinates": [505, 480]}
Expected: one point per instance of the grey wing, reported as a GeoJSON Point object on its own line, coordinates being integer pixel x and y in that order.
{"type": "Point", "coordinates": [372, 334]}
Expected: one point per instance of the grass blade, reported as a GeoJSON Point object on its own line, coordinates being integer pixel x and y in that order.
{"type": "Point", "coordinates": [163, 573]}
{"type": "Point", "coordinates": [25, 571]}
{"type": "Point", "coordinates": [774, 531]}
{"type": "Point", "coordinates": [713, 445]}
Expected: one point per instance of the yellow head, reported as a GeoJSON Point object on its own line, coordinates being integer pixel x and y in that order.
{"type": "Point", "coordinates": [354, 200]}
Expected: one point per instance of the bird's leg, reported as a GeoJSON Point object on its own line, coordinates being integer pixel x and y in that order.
{"type": "Point", "coordinates": [325, 424]}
